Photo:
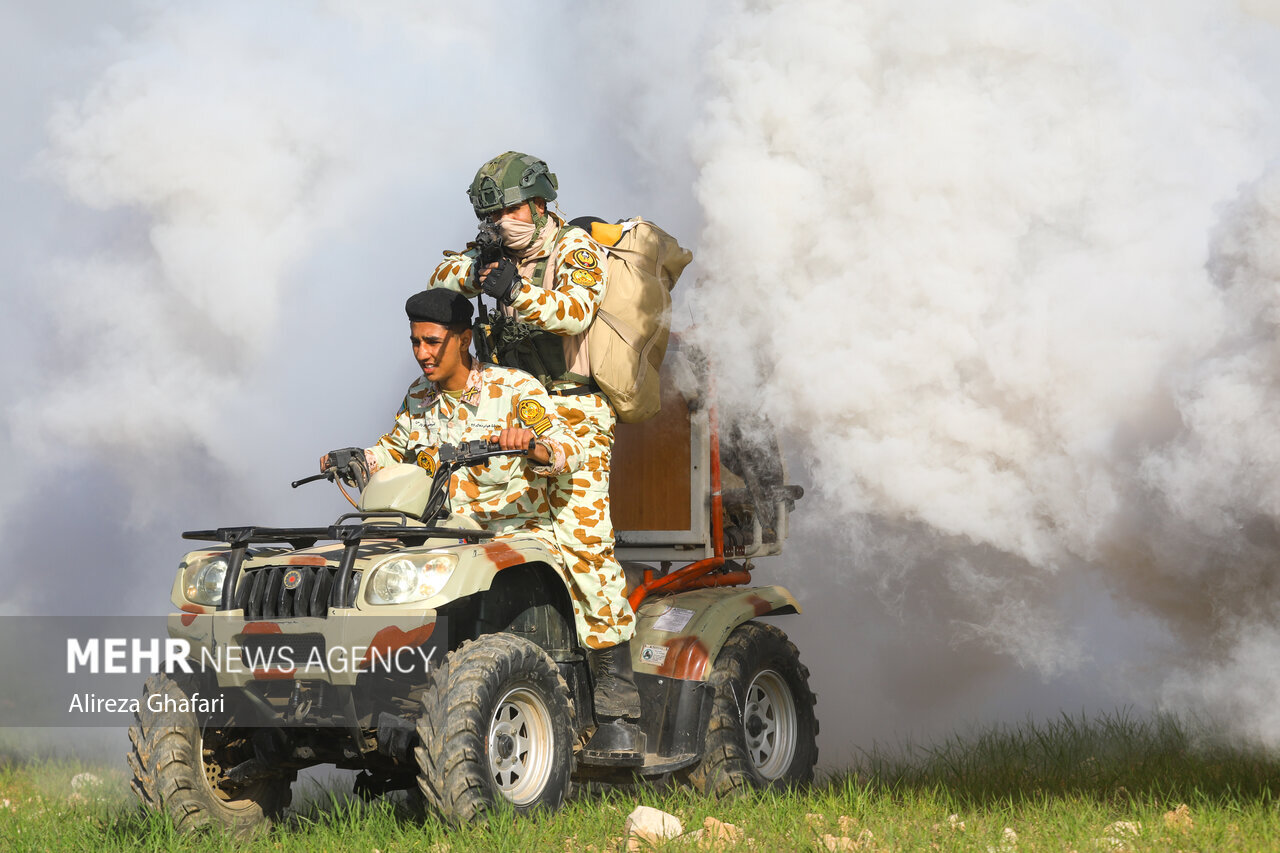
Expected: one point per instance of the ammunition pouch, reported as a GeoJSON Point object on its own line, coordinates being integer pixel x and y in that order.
{"type": "Point", "coordinates": [533, 350]}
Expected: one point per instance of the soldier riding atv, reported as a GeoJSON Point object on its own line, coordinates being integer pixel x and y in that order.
{"type": "Point", "coordinates": [406, 642]}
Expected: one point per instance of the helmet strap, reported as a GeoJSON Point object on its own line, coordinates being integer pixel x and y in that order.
{"type": "Point", "coordinates": [539, 220]}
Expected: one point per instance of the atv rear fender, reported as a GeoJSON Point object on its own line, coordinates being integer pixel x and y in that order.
{"type": "Point", "coordinates": [679, 636]}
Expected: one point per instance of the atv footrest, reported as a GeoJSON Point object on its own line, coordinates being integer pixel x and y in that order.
{"type": "Point", "coordinates": [652, 764]}
{"type": "Point", "coordinates": [655, 765]}
{"type": "Point", "coordinates": [611, 759]}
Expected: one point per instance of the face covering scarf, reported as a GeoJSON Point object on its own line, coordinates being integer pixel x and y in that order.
{"type": "Point", "coordinates": [516, 235]}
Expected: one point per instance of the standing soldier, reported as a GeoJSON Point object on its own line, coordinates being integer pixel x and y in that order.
{"type": "Point", "coordinates": [548, 280]}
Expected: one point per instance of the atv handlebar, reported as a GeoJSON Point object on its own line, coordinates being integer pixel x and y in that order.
{"type": "Point", "coordinates": [348, 463]}
{"type": "Point", "coordinates": [323, 475]}
{"type": "Point", "coordinates": [467, 453]}
{"type": "Point", "coordinates": [454, 457]}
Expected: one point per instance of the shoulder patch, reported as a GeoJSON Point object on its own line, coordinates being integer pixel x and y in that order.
{"type": "Point", "coordinates": [415, 402]}
{"type": "Point", "coordinates": [426, 461]}
{"type": "Point", "coordinates": [534, 416]}
{"type": "Point", "coordinates": [584, 278]}
{"type": "Point", "coordinates": [584, 258]}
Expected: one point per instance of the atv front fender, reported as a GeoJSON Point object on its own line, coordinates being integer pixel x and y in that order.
{"type": "Point", "coordinates": [479, 564]}
{"type": "Point", "coordinates": [678, 636]}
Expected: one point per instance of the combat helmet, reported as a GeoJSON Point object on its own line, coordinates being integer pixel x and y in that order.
{"type": "Point", "coordinates": [509, 179]}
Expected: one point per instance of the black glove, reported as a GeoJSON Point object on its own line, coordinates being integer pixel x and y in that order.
{"type": "Point", "coordinates": [502, 282]}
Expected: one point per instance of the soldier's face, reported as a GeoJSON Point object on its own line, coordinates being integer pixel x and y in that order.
{"type": "Point", "coordinates": [441, 354]}
{"type": "Point", "coordinates": [520, 211]}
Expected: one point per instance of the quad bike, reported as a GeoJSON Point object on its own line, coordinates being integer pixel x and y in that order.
{"type": "Point", "coordinates": [406, 643]}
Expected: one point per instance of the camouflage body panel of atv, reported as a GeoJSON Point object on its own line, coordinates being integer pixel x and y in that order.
{"type": "Point", "coordinates": [678, 636]}
{"type": "Point", "coordinates": [285, 601]}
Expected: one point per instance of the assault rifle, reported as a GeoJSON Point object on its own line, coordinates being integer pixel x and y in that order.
{"type": "Point", "coordinates": [488, 245]}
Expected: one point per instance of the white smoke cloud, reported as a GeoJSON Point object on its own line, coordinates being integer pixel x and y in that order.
{"type": "Point", "coordinates": [969, 248]}
{"type": "Point", "coordinates": [1005, 274]}
{"type": "Point", "coordinates": [232, 157]}
{"type": "Point", "coordinates": [244, 197]}
{"type": "Point", "coordinates": [230, 150]}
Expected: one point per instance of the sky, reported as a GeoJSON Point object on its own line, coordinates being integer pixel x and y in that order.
{"type": "Point", "coordinates": [1004, 276]}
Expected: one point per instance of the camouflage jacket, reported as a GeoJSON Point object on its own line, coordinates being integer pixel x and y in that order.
{"type": "Point", "coordinates": [509, 493]}
{"type": "Point", "coordinates": [574, 288]}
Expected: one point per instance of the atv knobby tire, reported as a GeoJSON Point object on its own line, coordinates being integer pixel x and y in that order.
{"type": "Point", "coordinates": [762, 732]}
{"type": "Point", "coordinates": [179, 764]}
{"type": "Point", "coordinates": [495, 727]}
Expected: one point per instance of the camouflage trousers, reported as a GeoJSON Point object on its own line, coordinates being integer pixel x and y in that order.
{"type": "Point", "coordinates": [584, 528]}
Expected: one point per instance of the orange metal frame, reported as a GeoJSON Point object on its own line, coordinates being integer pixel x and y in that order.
{"type": "Point", "coordinates": [698, 575]}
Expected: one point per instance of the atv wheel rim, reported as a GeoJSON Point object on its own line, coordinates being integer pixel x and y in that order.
{"type": "Point", "coordinates": [769, 720]}
{"type": "Point", "coordinates": [216, 758]}
{"type": "Point", "coordinates": [520, 746]}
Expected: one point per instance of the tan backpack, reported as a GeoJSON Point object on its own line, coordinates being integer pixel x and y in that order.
{"type": "Point", "coordinates": [628, 338]}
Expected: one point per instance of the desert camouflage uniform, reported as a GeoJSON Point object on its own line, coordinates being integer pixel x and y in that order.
{"type": "Point", "coordinates": [565, 303]}
{"type": "Point", "coordinates": [502, 496]}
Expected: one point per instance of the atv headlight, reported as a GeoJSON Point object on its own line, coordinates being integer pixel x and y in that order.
{"type": "Point", "coordinates": [415, 577]}
{"type": "Point", "coordinates": [202, 580]}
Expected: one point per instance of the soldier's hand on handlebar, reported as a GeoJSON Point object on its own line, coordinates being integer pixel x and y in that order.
{"type": "Point", "coordinates": [518, 438]}
{"type": "Point", "coordinates": [352, 464]}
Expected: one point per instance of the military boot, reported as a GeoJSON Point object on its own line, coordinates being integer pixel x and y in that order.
{"type": "Point", "coordinates": [618, 738]}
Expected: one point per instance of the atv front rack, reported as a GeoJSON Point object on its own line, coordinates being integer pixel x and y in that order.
{"type": "Point", "coordinates": [350, 535]}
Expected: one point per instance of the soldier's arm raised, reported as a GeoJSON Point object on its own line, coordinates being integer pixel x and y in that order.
{"type": "Point", "coordinates": [454, 273]}
{"type": "Point", "coordinates": [580, 279]}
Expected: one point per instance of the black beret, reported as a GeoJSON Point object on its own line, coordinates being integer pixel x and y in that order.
{"type": "Point", "coordinates": [438, 305]}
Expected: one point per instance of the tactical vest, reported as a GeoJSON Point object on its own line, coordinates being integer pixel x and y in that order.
{"type": "Point", "coordinates": [530, 348]}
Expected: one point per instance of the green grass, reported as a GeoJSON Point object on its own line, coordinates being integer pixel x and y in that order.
{"type": "Point", "coordinates": [1067, 784]}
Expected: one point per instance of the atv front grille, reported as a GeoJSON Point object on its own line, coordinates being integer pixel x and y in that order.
{"type": "Point", "coordinates": [282, 652]}
{"type": "Point", "coordinates": [263, 594]}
